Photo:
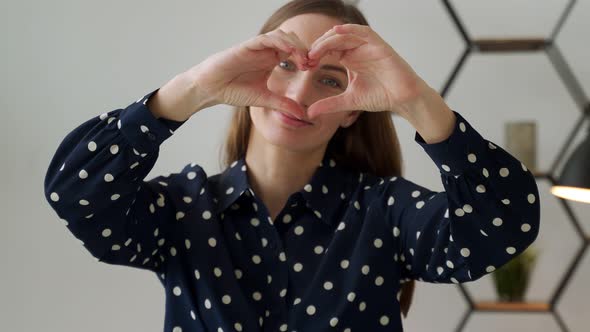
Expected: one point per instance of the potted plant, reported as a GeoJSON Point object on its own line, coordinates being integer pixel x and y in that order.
{"type": "Point", "coordinates": [512, 279]}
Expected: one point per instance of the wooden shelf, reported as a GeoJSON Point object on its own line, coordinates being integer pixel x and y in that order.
{"type": "Point", "coordinates": [510, 45]}
{"type": "Point", "coordinates": [512, 306]}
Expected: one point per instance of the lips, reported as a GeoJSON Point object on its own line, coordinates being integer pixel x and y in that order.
{"type": "Point", "coordinates": [289, 115]}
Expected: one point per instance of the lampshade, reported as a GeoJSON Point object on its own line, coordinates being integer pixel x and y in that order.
{"type": "Point", "coordinates": [574, 182]}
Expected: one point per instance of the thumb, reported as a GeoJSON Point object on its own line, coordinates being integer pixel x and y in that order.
{"type": "Point", "coordinates": [339, 103]}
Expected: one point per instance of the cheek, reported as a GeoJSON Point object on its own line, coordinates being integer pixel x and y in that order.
{"type": "Point", "coordinates": [276, 83]}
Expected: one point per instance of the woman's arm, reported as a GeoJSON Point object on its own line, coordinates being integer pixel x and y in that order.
{"type": "Point", "coordinates": [95, 184]}
{"type": "Point", "coordinates": [488, 214]}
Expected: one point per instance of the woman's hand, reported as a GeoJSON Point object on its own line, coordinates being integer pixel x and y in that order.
{"type": "Point", "coordinates": [379, 79]}
{"type": "Point", "coordinates": [238, 76]}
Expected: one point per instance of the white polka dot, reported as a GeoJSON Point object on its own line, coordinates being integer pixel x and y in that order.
{"type": "Point", "coordinates": [114, 149]}
{"type": "Point", "coordinates": [106, 232]}
{"type": "Point", "coordinates": [446, 168]}
{"type": "Point", "coordinates": [115, 197]}
{"type": "Point", "coordinates": [467, 208]}
{"type": "Point", "coordinates": [212, 242]}
{"type": "Point", "coordinates": [525, 227]}
{"type": "Point", "coordinates": [108, 177]}
{"type": "Point", "coordinates": [384, 320]}
{"type": "Point", "coordinates": [177, 291]}
{"type": "Point", "coordinates": [459, 212]}
{"type": "Point", "coordinates": [256, 259]}
{"type": "Point", "coordinates": [341, 226]}
{"type": "Point", "coordinates": [490, 269]}
{"type": "Point", "coordinates": [257, 296]}
{"type": "Point", "coordinates": [179, 215]}
{"type": "Point", "coordinates": [92, 146]}
{"type": "Point", "coordinates": [83, 202]}
{"type": "Point", "coordinates": [465, 252]}
{"type": "Point", "coordinates": [504, 172]}
{"type": "Point", "coordinates": [378, 243]}
{"type": "Point", "coordinates": [207, 304]}
{"type": "Point", "coordinates": [365, 269]}
{"type": "Point", "coordinates": [177, 329]}
{"type": "Point", "coordinates": [144, 129]}
{"type": "Point", "coordinates": [351, 296]}
{"type": "Point", "coordinates": [83, 174]}
{"type": "Point", "coordinates": [206, 215]}
{"type": "Point", "coordinates": [324, 189]}
{"type": "Point", "coordinates": [310, 310]}
{"type": "Point", "coordinates": [485, 172]}
{"type": "Point", "coordinates": [462, 126]}
{"type": "Point", "coordinates": [472, 158]}
{"type": "Point", "coordinates": [396, 231]}
{"type": "Point", "coordinates": [481, 188]}
{"type": "Point", "coordinates": [344, 263]}
{"type": "Point", "coordinates": [226, 299]}
{"type": "Point", "coordinates": [497, 221]}
{"type": "Point", "coordinates": [299, 230]}
{"type": "Point", "coordinates": [297, 267]}
{"type": "Point", "coordinates": [229, 190]}
{"type": "Point", "coordinates": [328, 285]}
{"type": "Point", "coordinates": [379, 281]}
{"type": "Point", "coordinates": [255, 222]}
{"type": "Point", "coordinates": [450, 264]}
{"type": "Point", "coordinates": [333, 322]}
{"type": "Point", "coordinates": [54, 196]}
{"type": "Point", "coordinates": [307, 188]}
{"type": "Point", "coordinates": [357, 205]}
{"type": "Point", "coordinates": [287, 218]}
{"type": "Point", "coordinates": [419, 205]}
{"type": "Point", "coordinates": [390, 201]}
{"type": "Point", "coordinates": [318, 250]}
{"type": "Point", "coordinates": [531, 198]}
{"type": "Point", "coordinates": [511, 250]}
{"type": "Point", "coordinates": [362, 306]}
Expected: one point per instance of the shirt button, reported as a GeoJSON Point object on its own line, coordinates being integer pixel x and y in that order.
{"type": "Point", "coordinates": [151, 136]}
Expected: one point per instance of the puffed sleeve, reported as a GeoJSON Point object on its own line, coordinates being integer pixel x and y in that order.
{"type": "Point", "coordinates": [95, 183]}
{"type": "Point", "coordinates": [488, 214]}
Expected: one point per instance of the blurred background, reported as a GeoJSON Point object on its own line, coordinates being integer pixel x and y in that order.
{"type": "Point", "coordinates": [66, 61]}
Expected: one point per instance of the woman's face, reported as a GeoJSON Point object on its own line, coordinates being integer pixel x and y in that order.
{"type": "Point", "coordinates": [327, 79]}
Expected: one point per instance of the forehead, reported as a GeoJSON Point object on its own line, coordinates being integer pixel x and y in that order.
{"type": "Point", "coordinates": [309, 27]}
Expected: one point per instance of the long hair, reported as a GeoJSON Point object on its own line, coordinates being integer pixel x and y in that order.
{"type": "Point", "coordinates": [370, 144]}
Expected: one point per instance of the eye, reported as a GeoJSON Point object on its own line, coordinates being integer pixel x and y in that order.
{"type": "Point", "coordinates": [331, 82]}
{"type": "Point", "coordinates": [287, 65]}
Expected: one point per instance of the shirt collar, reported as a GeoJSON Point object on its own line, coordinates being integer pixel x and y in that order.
{"type": "Point", "coordinates": [329, 187]}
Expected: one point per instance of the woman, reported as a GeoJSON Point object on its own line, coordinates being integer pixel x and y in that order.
{"type": "Point", "coordinates": [310, 227]}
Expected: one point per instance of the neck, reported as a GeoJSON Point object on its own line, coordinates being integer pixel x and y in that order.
{"type": "Point", "coordinates": [275, 173]}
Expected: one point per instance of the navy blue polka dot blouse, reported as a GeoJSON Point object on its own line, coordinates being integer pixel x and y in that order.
{"type": "Point", "coordinates": [335, 257]}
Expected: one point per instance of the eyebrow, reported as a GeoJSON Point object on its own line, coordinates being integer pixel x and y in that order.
{"type": "Point", "coordinates": [334, 68]}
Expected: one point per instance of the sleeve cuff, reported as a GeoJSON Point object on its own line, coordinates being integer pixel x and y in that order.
{"type": "Point", "coordinates": [142, 129]}
{"type": "Point", "coordinates": [458, 153]}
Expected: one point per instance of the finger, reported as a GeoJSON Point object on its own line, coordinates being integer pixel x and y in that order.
{"type": "Point", "coordinates": [362, 31]}
{"type": "Point", "coordinates": [339, 103]}
{"type": "Point", "coordinates": [266, 41]}
{"type": "Point", "coordinates": [302, 51]}
{"type": "Point", "coordinates": [274, 101]}
{"type": "Point", "coordinates": [335, 43]}
{"type": "Point", "coordinates": [326, 34]}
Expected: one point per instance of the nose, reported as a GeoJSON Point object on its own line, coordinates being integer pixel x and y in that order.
{"type": "Point", "coordinates": [300, 89]}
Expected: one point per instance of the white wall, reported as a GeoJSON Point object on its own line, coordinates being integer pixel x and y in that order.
{"type": "Point", "coordinates": [66, 61]}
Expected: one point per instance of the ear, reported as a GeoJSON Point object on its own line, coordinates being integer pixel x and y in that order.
{"type": "Point", "coordinates": [350, 119]}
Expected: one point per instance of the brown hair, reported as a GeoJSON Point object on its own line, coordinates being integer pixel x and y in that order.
{"type": "Point", "coordinates": [370, 144]}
